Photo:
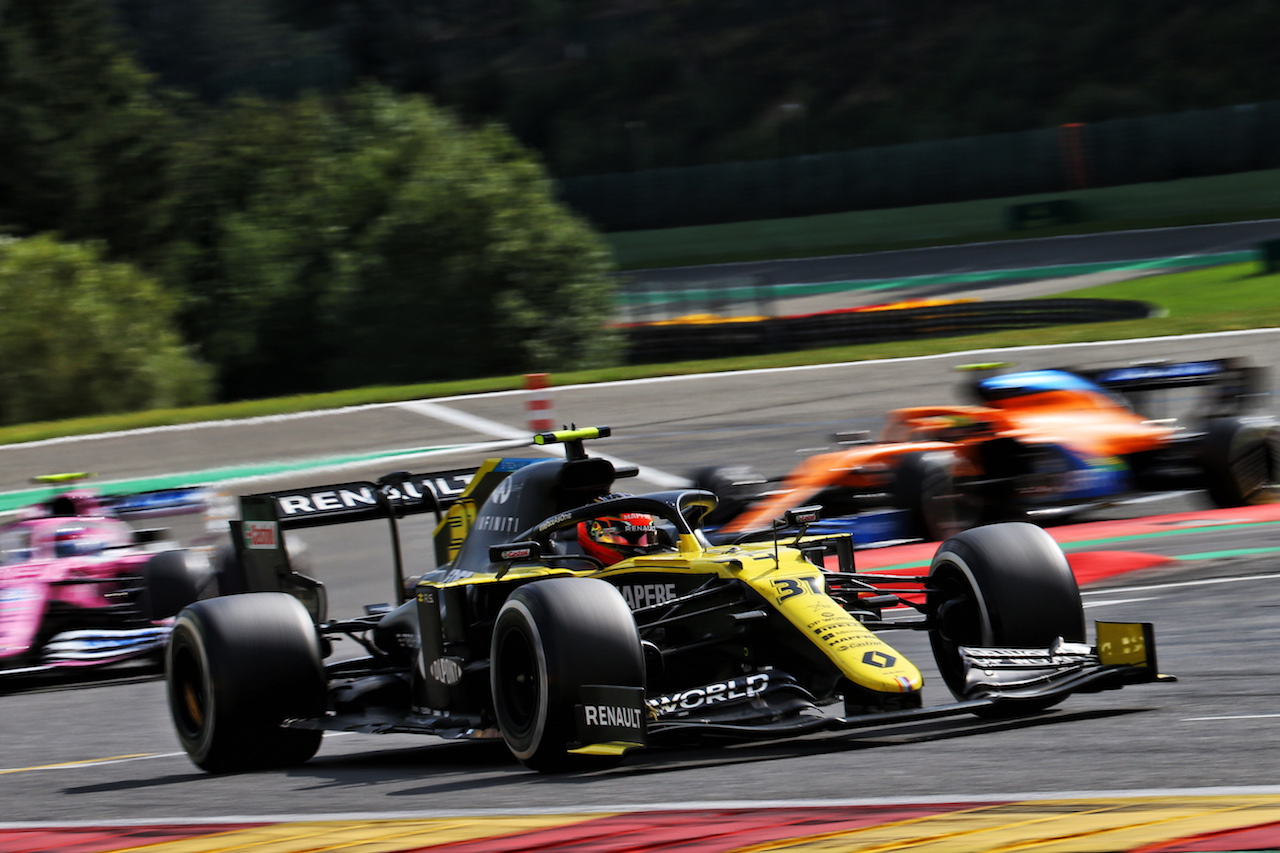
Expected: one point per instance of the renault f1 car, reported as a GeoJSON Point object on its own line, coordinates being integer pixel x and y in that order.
{"type": "Point", "coordinates": [80, 587]}
{"type": "Point", "coordinates": [573, 659]}
{"type": "Point", "coordinates": [1036, 444]}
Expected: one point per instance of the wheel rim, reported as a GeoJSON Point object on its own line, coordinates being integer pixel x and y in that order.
{"type": "Point", "coordinates": [959, 623]}
{"type": "Point", "coordinates": [520, 682]}
{"type": "Point", "coordinates": [1251, 470]}
{"type": "Point", "coordinates": [190, 699]}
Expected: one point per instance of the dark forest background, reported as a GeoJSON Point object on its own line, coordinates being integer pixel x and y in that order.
{"type": "Point", "coordinates": [224, 199]}
{"type": "Point", "coordinates": [599, 86]}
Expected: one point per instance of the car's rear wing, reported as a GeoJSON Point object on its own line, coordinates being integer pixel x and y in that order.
{"type": "Point", "coordinates": [259, 534]}
{"type": "Point", "coordinates": [158, 503]}
{"type": "Point", "coordinates": [1237, 385]}
{"type": "Point", "coordinates": [340, 503]}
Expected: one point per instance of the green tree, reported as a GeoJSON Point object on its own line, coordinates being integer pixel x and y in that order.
{"type": "Point", "coordinates": [81, 335]}
{"type": "Point", "coordinates": [375, 238]}
{"type": "Point", "coordinates": [83, 141]}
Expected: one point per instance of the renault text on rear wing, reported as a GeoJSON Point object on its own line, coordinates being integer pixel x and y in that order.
{"type": "Point", "coordinates": [409, 494]}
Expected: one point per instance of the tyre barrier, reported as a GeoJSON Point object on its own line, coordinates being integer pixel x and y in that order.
{"type": "Point", "coordinates": [670, 341]}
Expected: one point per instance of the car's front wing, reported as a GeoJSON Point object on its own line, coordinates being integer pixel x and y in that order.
{"type": "Point", "coordinates": [995, 679]}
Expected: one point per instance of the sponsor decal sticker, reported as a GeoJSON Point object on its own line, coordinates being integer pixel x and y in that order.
{"type": "Point", "coordinates": [446, 670]}
{"type": "Point", "coordinates": [609, 714]}
{"type": "Point", "coordinates": [261, 535]}
{"type": "Point", "coordinates": [645, 594]}
{"type": "Point", "coordinates": [500, 523]}
{"type": "Point", "coordinates": [18, 594]}
{"type": "Point", "coordinates": [326, 501]}
{"type": "Point", "coordinates": [554, 520]}
{"type": "Point", "coordinates": [1173, 371]}
{"type": "Point", "coordinates": [502, 492]}
{"type": "Point", "coordinates": [615, 716]}
{"type": "Point", "coordinates": [722, 691]}
{"type": "Point", "coordinates": [879, 659]}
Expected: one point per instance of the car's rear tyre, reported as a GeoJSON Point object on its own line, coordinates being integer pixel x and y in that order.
{"type": "Point", "coordinates": [552, 637]}
{"type": "Point", "coordinates": [168, 584]}
{"type": "Point", "coordinates": [925, 487]}
{"type": "Point", "coordinates": [227, 569]}
{"type": "Point", "coordinates": [1242, 461]}
{"type": "Point", "coordinates": [236, 667]}
{"type": "Point", "coordinates": [1002, 585]}
{"type": "Point", "coordinates": [736, 486]}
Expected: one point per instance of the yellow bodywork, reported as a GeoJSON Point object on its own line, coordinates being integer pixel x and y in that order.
{"type": "Point", "coordinates": [791, 584]}
{"type": "Point", "coordinates": [779, 574]}
{"type": "Point", "coordinates": [796, 589]}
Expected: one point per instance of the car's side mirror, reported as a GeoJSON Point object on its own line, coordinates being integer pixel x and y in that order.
{"type": "Point", "coordinates": [510, 552]}
{"type": "Point", "coordinates": [801, 516]}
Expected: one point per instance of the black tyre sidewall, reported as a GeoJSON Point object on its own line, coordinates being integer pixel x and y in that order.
{"type": "Point", "coordinates": [1232, 441]}
{"type": "Point", "coordinates": [169, 584]}
{"type": "Point", "coordinates": [925, 487]}
{"type": "Point", "coordinates": [227, 569]}
{"type": "Point", "coordinates": [255, 660]}
{"type": "Point", "coordinates": [729, 485]}
{"type": "Point", "coordinates": [576, 631]}
{"type": "Point", "coordinates": [1024, 591]}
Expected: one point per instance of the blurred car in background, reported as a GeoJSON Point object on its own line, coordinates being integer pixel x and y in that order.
{"type": "Point", "coordinates": [1035, 444]}
{"type": "Point", "coordinates": [80, 587]}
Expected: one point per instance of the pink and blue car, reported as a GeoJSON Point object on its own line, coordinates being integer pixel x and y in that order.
{"type": "Point", "coordinates": [81, 588]}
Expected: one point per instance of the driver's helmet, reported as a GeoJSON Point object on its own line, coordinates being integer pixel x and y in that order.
{"type": "Point", "coordinates": [611, 538]}
{"type": "Point", "coordinates": [74, 542]}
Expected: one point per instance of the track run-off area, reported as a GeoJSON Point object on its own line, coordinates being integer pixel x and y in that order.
{"type": "Point", "coordinates": [1193, 765]}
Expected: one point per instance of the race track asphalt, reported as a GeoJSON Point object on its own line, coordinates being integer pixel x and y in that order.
{"type": "Point", "coordinates": [106, 753]}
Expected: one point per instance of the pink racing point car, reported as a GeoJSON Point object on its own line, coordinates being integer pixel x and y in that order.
{"type": "Point", "coordinates": [81, 588]}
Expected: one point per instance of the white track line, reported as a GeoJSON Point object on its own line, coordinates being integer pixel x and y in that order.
{"type": "Point", "coordinates": [475, 423]}
{"type": "Point", "coordinates": [1175, 584]}
{"type": "Point", "coordinates": [648, 381]}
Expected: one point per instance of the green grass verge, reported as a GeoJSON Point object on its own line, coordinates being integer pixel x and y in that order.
{"type": "Point", "coordinates": [1230, 297]}
{"type": "Point", "coordinates": [1192, 201]}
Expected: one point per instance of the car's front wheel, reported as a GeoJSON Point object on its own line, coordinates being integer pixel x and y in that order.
{"type": "Point", "coordinates": [1001, 586]}
{"type": "Point", "coordinates": [550, 639]}
{"type": "Point", "coordinates": [236, 668]}
{"type": "Point", "coordinates": [169, 584]}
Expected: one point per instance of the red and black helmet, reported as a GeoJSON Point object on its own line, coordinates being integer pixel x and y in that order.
{"type": "Point", "coordinates": [611, 538]}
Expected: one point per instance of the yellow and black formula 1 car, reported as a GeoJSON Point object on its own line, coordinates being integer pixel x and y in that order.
{"type": "Point", "coordinates": [576, 623]}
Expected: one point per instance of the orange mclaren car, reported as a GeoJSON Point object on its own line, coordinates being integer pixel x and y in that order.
{"type": "Point", "coordinates": [1034, 443]}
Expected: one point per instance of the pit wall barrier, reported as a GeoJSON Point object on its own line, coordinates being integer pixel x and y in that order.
{"type": "Point", "coordinates": [715, 338]}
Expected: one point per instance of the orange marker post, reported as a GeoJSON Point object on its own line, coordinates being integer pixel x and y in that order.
{"type": "Point", "coordinates": [538, 403]}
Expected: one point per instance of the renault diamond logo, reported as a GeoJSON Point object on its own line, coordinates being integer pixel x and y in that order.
{"type": "Point", "coordinates": [879, 659]}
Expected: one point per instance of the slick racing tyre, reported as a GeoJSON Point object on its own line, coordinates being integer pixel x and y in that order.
{"type": "Point", "coordinates": [227, 569]}
{"type": "Point", "coordinates": [169, 584]}
{"type": "Point", "coordinates": [236, 667]}
{"type": "Point", "coordinates": [1242, 461]}
{"type": "Point", "coordinates": [737, 486]}
{"type": "Point", "coordinates": [1001, 586]}
{"type": "Point", "coordinates": [925, 487]}
{"type": "Point", "coordinates": [552, 637]}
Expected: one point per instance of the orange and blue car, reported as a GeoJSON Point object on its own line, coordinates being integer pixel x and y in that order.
{"type": "Point", "coordinates": [1033, 444]}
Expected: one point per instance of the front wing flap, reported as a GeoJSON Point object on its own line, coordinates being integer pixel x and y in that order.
{"type": "Point", "coordinates": [1125, 654]}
